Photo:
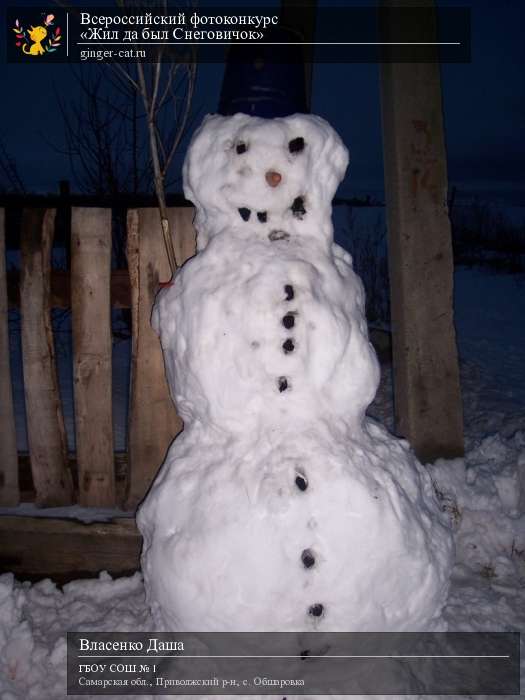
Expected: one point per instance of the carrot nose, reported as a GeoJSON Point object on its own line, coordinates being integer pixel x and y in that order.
{"type": "Point", "coordinates": [273, 178]}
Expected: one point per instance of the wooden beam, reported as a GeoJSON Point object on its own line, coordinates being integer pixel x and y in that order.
{"type": "Point", "coordinates": [426, 373]}
{"type": "Point", "coordinates": [127, 200]}
{"type": "Point", "coordinates": [66, 549]}
{"type": "Point", "coordinates": [45, 421]}
{"type": "Point", "coordinates": [9, 490]}
{"type": "Point", "coordinates": [92, 348]}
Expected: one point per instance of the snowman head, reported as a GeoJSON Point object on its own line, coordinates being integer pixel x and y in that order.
{"type": "Point", "coordinates": [263, 173]}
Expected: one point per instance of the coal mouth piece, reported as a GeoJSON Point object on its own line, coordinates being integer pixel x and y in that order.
{"type": "Point", "coordinates": [278, 235]}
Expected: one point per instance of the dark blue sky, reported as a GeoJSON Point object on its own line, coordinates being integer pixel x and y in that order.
{"type": "Point", "coordinates": [484, 105]}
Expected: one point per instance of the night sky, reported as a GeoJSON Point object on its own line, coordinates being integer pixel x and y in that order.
{"type": "Point", "coordinates": [484, 104]}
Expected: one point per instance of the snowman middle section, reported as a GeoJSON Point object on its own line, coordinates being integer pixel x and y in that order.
{"type": "Point", "coordinates": [267, 334]}
{"type": "Point", "coordinates": [280, 507]}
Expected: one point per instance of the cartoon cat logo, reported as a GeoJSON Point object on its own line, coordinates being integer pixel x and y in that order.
{"type": "Point", "coordinates": [36, 34]}
{"type": "Point", "coordinates": [30, 40]}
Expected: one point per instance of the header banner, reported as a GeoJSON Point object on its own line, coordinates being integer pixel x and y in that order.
{"type": "Point", "coordinates": [206, 34]}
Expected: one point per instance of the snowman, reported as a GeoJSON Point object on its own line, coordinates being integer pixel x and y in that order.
{"type": "Point", "coordinates": [280, 507]}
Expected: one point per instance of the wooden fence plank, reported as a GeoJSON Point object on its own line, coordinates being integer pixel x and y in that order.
{"type": "Point", "coordinates": [9, 489]}
{"type": "Point", "coordinates": [92, 345]}
{"type": "Point", "coordinates": [45, 422]}
{"type": "Point", "coordinates": [153, 421]}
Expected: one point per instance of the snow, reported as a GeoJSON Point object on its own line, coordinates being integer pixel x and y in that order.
{"type": "Point", "coordinates": [267, 355]}
{"type": "Point", "coordinates": [478, 494]}
{"type": "Point", "coordinates": [34, 621]}
{"type": "Point", "coordinates": [490, 313]}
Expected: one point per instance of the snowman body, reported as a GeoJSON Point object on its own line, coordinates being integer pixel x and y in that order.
{"type": "Point", "coordinates": [280, 507]}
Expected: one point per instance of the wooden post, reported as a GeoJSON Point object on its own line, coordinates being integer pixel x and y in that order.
{"type": "Point", "coordinates": [92, 347]}
{"type": "Point", "coordinates": [153, 421]}
{"type": "Point", "coordinates": [45, 421]}
{"type": "Point", "coordinates": [9, 491]}
{"type": "Point", "coordinates": [426, 374]}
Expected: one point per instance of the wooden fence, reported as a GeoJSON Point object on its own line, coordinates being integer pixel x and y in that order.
{"type": "Point", "coordinates": [93, 476]}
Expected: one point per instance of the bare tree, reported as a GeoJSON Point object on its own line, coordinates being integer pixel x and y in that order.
{"type": "Point", "coordinates": [166, 91]}
{"type": "Point", "coordinates": [11, 179]}
{"type": "Point", "coordinates": [154, 99]}
{"type": "Point", "coordinates": [103, 137]}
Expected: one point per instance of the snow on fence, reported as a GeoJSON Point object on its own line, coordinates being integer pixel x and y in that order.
{"type": "Point", "coordinates": [90, 290]}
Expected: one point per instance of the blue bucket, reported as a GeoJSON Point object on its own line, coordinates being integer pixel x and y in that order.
{"type": "Point", "coordinates": [265, 81]}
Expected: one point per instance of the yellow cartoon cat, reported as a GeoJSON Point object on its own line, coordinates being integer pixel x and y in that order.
{"type": "Point", "coordinates": [37, 35]}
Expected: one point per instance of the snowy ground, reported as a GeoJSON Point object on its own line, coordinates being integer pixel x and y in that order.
{"type": "Point", "coordinates": [480, 493]}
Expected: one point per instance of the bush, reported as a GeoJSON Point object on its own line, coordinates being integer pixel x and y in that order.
{"type": "Point", "coordinates": [368, 248]}
{"type": "Point", "coordinates": [484, 235]}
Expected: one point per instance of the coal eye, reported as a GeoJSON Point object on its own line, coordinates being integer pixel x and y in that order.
{"type": "Point", "coordinates": [296, 145]}
{"type": "Point", "coordinates": [297, 208]}
{"type": "Point", "coordinates": [241, 148]}
{"type": "Point", "coordinates": [316, 610]}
